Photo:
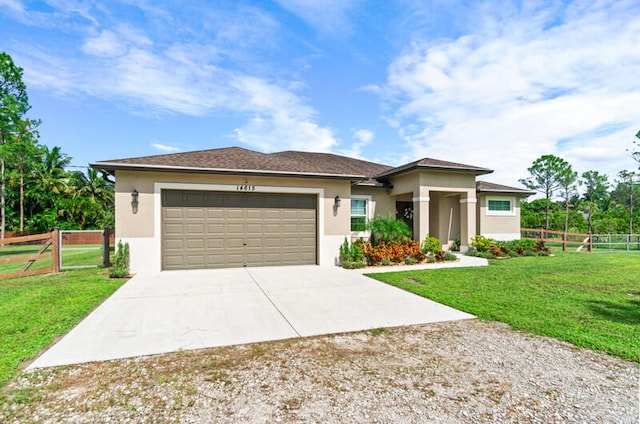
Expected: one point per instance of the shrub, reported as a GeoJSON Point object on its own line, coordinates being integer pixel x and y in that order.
{"type": "Point", "coordinates": [351, 253]}
{"type": "Point", "coordinates": [541, 249]}
{"type": "Point", "coordinates": [410, 261]}
{"type": "Point", "coordinates": [391, 252]}
{"type": "Point", "coordinates": [456, 244]}
{"type": "Point", "coordinates": [450, 257]}
{"type": "Point", "coordinates": [387, 229]}
{"type": "Point", "coordinates": [431, 245]}
{"type": "Point", "coordinates": [120, 268]}
{"type": "Point", "coordinates": [352, 264]}
{"type": "Point", "coordinates": [482, 243]}
{"type": "Point", "coordinates": [431, 259]}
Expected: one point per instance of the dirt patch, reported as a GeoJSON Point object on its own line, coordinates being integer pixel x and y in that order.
{"type": "Point", "coordinates": [466, 371]}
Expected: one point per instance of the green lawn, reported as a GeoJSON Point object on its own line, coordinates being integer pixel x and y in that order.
{"type": "Point", "coordinates": [35, 310]}
{"type": "Point", "coordinates": [590, 300]}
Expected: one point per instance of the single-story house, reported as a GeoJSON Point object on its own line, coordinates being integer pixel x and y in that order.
{"type": "Point", "coordinates": [234, 207]}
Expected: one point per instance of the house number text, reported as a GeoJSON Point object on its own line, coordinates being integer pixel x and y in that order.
{"type": "Point", "coordinates": [245, 187]}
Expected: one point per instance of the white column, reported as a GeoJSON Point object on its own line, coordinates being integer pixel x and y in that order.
{"type": "Point", "coordinates": [420, 217]}
{"type": "Point", "coordinates": [467, 222]}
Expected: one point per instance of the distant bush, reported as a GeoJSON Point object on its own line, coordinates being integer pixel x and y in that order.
{"type": "Point", "coordinates": [488, 248]}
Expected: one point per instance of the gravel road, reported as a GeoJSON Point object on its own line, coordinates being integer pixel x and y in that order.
{"type": "Point", "coordinates": [469, 371]}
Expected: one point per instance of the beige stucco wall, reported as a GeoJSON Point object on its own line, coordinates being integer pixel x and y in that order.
{"type": "Point", "coordinates": [447, 181]}
{"type": "Point", "coordinates": [445, 210]}
{"type": "Point", "coordinates": [142, 229]}
{"type": "Point", "coordinates": [498, 227]}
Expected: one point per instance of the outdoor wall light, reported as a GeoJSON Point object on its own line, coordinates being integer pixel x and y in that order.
{"type": "Point", "coordinates": [336, 202]}
{"type": "Point", "coordinates": [134, 201]}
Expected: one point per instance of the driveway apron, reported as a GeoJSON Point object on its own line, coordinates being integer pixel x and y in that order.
{"type": "Point", "coordinates": [170, 311]}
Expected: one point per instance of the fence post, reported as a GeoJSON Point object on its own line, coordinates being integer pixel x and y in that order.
{"type": "Point", "coordinates": [55, 250]}
{"type": "Point", "coordinates": [106, 248]}
{"type": "Point", "coordinates": [628, 241]}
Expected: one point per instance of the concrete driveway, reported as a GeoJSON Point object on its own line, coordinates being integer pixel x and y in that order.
{"type": "Point", "coordinates": [180, 310]}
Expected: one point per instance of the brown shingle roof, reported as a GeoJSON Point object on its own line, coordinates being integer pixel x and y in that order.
{"type": "Point", "coordinates": [330, 162]}
{"type": "Point", "coordinates": [487, 187]}
{"type": "Point", "coordinates": [239, 160]}
{"type": "Point", "coordinates": [288, 163]}
{"type": "Point", "coordinates": [434, 164]}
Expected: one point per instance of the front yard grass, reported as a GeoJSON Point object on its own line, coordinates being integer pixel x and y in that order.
{"type": "Point", "coordinates": [35, 310]}
{"type": "Point", "coordinates": [590, 300]}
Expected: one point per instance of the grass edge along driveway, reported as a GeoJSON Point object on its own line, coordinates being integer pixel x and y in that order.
{"type": "Point", "coordinates": [590, 300]}
{"type": "Point", "coordinates": [35, 310]}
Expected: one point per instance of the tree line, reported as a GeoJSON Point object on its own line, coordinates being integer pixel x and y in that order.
{"type": "Point", "coordinates": [587, 203]}
{"type": "Point", "coordinates": [37, 191]}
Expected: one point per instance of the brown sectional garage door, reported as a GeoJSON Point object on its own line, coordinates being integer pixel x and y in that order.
{"type": "Point", "coordinates": [205, 229]}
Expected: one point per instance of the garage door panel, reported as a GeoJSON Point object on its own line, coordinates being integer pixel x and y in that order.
{"type": "Point", "coordinates": [235, 242]}
{"type": "Point", "coordinates": [234, 228]}
{"type": "Point", "coordinates": [174, 228]}
{"type": "Point", "coordinates": [272, 214]}
{"type": "Point", "coordinates": [254, 214]}
{"type": "Point", "coordinates": [214, 214]}
{"type": "Point", "coordinates": [195, 213]}
{"type": "Point", "coordinates": [173, 213]}
{"type": "Point", "coordinates": [214, 229]}
{"type": "Point", "coordinates": [234, 214]}
{"type": "Point", "coordinates": [215, 243]}
{"type": "Point", "coordinates": [174, 244]}
{"type": "Point", "coordinates": [195, 243]}
{"type": "Point", "coordinates": [254, 228]}
{"type": "Point", "coordinates": [195, 260]}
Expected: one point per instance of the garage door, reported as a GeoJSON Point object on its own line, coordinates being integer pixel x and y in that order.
{"type": "Point", "coordinates": [202, 229]}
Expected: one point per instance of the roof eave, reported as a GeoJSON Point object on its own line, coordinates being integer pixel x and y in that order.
{"type": "Point", "coordinates": [518, 192]}
{"type": "Point", "coordinates": [110, 168]}
{"type": "Point", "coordinates": [394, 172]}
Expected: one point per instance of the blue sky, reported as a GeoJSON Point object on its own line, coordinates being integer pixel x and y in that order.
{"type": "Point", "coordinates": [494, 84]}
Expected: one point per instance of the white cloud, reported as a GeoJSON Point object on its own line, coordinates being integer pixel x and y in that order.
{"type": "Point", "coordinates": [15, 7]}
{"type": "Point", "coordinates": [165, 147]}
{"type": "Point", "coordinates": [281, 119]}
{"type": "Point", "coordinates": [521, 85]}
{"type": "Point", "coordinates": [149, 73]}
{"type": "Point", "coordinates": [107, 44]}
{"type": "Point", "coordinates": [363, 138]}
{"type": "Point", "coordinates": [325, 16]}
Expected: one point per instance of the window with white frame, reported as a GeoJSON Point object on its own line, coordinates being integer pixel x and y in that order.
{"type": "Point", "coordinates": [359, 214]}
{"type": "Point", "coordinates": [501, 206]}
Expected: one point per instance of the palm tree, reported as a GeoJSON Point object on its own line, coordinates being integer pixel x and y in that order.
{"type": "Point", "coordinates": [98, 189]}
{"type": "Point", "coordinates": [52, 173]}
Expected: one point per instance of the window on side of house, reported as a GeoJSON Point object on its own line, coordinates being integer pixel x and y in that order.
{"type": "Point", "coordinates": [358, 215]}
{"type": "Point", "coordinates": [499, 205]}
